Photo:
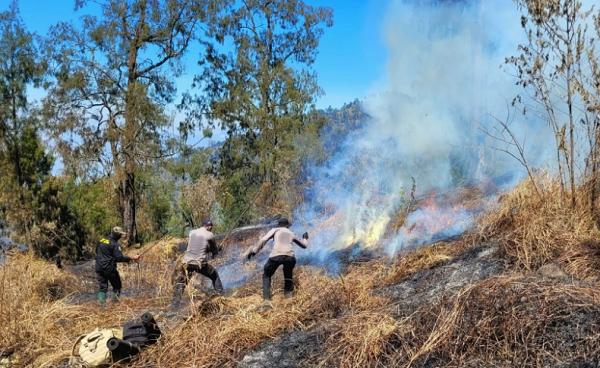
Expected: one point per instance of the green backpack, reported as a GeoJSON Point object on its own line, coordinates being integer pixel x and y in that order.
{"type": "Point", "coordinates": [92, 347]}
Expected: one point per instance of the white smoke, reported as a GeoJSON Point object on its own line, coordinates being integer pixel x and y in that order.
{"type": "Point", "coordinates": [444, 79]}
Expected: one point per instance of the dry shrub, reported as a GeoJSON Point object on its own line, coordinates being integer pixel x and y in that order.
{"type": "Point", "coordinates": [533, 230]}
{"type": "Point", "coordinates": [197, 199]}
{"type": "Point", "coordinates": [166, 248]}
{"type": "Point", "coordinates": [509, 321]}
{"type": "Point", "coordinates": [583, 260]}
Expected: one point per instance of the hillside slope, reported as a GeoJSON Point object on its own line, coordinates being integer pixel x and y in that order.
{"type": "Point", "coordinates": [518, 290]}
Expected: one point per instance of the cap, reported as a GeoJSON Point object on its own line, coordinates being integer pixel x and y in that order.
{"type": "Point", "coordinates": [283, 222]}
{"type": "Point", "coordinates": [207, 223]}
{"type": "Point", "coordinates": [118, 230]}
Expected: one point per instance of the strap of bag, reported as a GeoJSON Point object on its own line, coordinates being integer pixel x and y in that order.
{"type": "Point", "coordinates": [72, 357]}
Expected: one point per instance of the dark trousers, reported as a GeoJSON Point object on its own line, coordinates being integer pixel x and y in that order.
{"type": "Point", "coordinates": [187, 271]}
{"type": "Point", "coordinates": [288, 274]}
{"type": "Point", "coordinates": [104, 277]}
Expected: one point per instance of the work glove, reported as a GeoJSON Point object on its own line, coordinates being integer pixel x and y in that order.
{"type": "Point", "coordinates": [305, 235]}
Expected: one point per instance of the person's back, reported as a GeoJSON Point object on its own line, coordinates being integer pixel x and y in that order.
{"type": "Point", "coordinates": [282, 254]}
{"type": "Point", "coordinates": [195, 260]}
{"type": "Point", "coordinates": [198, 246]}
{"type": "Point", "coordinates": [282, 242]}
{"type": "Point", "coordinates": [105, 254]}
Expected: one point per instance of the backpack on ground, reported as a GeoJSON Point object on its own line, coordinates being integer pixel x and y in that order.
{"type": "Point", "coordinates": [93, 349]}
{"type": "Point", "coordinates": [137, 334]}
{"type": "Point", "coordinates": [142, 332]}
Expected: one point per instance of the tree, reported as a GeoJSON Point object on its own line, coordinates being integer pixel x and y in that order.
{"type": "Point", "coordinates": [257, 86]}
{"type": "Point", "coordinates": [23, 161]}
{"type": "Point", "coordinates": [113, 78]}
{"type": "Point", "coordinates": [550, 66]}
{"type": "Point", "coordinates": [588, 87]}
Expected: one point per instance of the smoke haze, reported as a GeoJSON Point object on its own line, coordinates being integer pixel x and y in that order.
{"type": "Point", "coordinates": [444, 79]}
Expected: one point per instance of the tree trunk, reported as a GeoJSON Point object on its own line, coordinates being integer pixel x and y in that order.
{"type": "Point", "coordinates": [16, 152]}
{"type": "Point", "coordinates": [570, 105]}
{"type": "Point", "coordinates": [129, 204]}
{"type": "Point", "coordinates": [129, 135]}
{"type": "Point", "coordinates": [113, 137]}
{"type": "Point", "coordinates": [594, 174]}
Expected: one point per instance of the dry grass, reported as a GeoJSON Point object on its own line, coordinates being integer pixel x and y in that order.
{"type": "Point", "coordinates": [37, 319]}
{"type": "Point", "coordinates": [222, 329]}
{"type": "Point", "coordinates": [533, 231]}
{"type": "Point", "coordinates": [424, 258]}
{"type": "Point", "coordinates": [362, 339]}
{"type": "Point", "coordinates": [218, 331]}
{"type": "Point", "coordinates": [517, 319]}
{"type": "Point", "coordinates": [510, 321]}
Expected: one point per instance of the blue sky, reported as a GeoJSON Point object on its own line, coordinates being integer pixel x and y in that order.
{"type": "Point", "coordinates": [351, 56]}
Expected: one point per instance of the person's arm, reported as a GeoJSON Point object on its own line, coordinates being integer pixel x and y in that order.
{"type": "Point", "coordinates": [261, 243]}
{"type": "Point", "coordinates": [119, 256]}
{"type": "Point", "coordinates": [302, 243]}
{"type": "Point", "coordinates": [212, 247]}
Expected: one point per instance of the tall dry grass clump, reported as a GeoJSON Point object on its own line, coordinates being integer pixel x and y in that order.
{"type": "Point", "coordinates": [424, 258]}
{"type": "Point", "coordinates": [533, 229]}
{"type": "Point", "coordinates": [29, 288]}
{"type": "Point", "coordinates": [362, 339]}
{"type": "Point", "coordinates": [510, 321]}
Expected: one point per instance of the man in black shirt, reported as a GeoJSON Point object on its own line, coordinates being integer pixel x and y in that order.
{"type": "Point", "coordinates": [108, 253]}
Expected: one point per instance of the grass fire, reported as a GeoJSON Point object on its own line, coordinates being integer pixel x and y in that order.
{"type": "Point", "coordinates": [176, 189]}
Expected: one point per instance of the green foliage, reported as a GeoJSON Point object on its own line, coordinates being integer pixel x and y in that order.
{"type": "Point", "coordinates": [32, 205]}
{"type": "Point", "coordinates": [56, 229]}
{"type": "Point", "coordinates": [157, 194]}
{"type": "Point", "coordinates": [261, 95]}
{"type": "Point", "coordinates": [114, 75]}
{"type": "Point", "coordinates": [94, 204]}
{"type": "Point", "coordinates": [341, 122]}
{"type": "Point", "coordinates": [111, 82]}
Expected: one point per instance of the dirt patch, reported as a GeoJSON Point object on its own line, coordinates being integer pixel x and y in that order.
{"type": "Point", "coordinates": [295, 349]}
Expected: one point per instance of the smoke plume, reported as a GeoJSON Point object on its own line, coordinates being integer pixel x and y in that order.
{"type": "Point", "coordinates": [444, 79]}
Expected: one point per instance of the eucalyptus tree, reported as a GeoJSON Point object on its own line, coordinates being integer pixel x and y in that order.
{"type": "Point", "coordinates": [257, 85]}
{"type": "Point", "coordinates": [23, 161]}
{"type": "Point", "coordinates": [114, 77]}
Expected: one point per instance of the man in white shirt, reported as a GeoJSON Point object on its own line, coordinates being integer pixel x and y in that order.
{"type": "Point", "coordinates": [201, 242]}
{"type": "Point", "coordinates": [281, 255]}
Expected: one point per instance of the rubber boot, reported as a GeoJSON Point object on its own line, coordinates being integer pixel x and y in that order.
{"type": "Point", "coordinates": [266, 288]}
{"type": "Point", "coordinates": [102, 298]}
{"type": "Point", "coordinates": [218, 285]}
{"type": "Point", "coordinates": [178, 290]}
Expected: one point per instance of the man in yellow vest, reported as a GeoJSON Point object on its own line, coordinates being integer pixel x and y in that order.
{"type": "Point", "coordinates": [108, 253]}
